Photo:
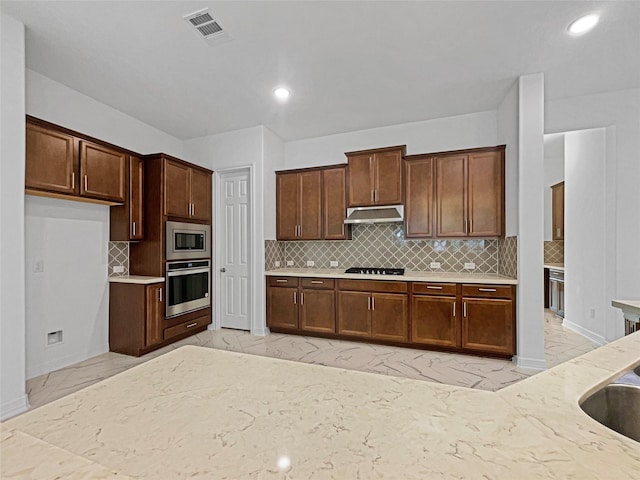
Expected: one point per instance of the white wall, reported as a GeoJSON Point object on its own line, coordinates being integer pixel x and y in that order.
{"type": "Point", "coordinates": [273, 156]}
{"type": "Point", "coordinates": [507, 126]}
{"type": "Point", "coordinates": [621, 110]}
{"type": "Point", "coordinates": [71, 237]}
{"type": "Point", "coordinates": [451, 133]}
{"type": "Point", "coordinates": [13, 398]}
{"type": "Point", "coordinates": [585, 246]}
{"type": "Point", "coordinates": [530, 323]}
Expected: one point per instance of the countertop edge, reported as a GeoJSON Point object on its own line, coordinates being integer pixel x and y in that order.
{"type": "Point", "coordinates": [136, 279]}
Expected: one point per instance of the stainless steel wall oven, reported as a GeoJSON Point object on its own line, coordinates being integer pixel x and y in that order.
{"type": "Point", "coordinates": [188, 285]}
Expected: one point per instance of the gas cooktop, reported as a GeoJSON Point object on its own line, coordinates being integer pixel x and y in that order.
{"type": "Point", "coordinates": [375, 271]}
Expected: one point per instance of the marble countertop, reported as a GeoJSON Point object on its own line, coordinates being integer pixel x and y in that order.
{"type": "Point", "coordinates": [555, 266]}
{"type": "Point", "coordinates": [409, 276]}
{"type": "Point", "coordinates": [631, 305]}
{"type": "Point", "coordinates": [139, 279]}
{"type": "Point", "coordinates": [200, 412]}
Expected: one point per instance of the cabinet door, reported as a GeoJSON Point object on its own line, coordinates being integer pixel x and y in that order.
{"type": "Point", "coordinates": [50, 160]}
{"type": "Point", "coordinates": [154, 314]}
{"type": "Point", "coordinates": [388, 178]}
{"type": "Point", "coordinates": [282, 307]}
{"type": "Point", "coordinates": [488, 325]}
{"type": "Point", "coordinates": [419, 198]}
{"type": "Point", "coordinates": [354, 314]}
{"type": "Point", "coordinates": [200, 194]}
{"type": "Point", "coordinates": [318, 311]}
{"type": "Point", "coordinates": [334, 204]}
{"type": "Point", "coordinates": [103, 172]}
{"type": "Point", "coordinates": [434, 321]}
{"type": "Point", "coordinates": [389, 317]}
{"type": "Point", "coordinates": [286, 206]}
{"type": "Point", "coordinates": [451, 196]}
{"type": "Point", "coordinates": [557, 201]}
{"type": "Point", "coordinates": [310, 205]}
{"type": "Point", "coordinates": [486, 194]}
{"type": "Point", "coordinates": [361, 180]}
{"type": "Point", "coordinates": [136, 195]}
{"type": "Point", "coordinates": [553, 295]}
{"type": "Point", "coordinates": [561, 299]}
{"type": "Point", "coordinates": [176, 189]}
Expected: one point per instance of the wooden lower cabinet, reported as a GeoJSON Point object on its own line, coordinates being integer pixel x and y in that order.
{"type": "Point", "coordinates": [488, 325]}
{"type": "Point", "coordinates": [317, 311]}
{"type": "Point", "coordinates": [354, 317]}
{"type": "Point", "coordinates": [282, 307]}
{"type": "Point", "coordinates": [434, 321]}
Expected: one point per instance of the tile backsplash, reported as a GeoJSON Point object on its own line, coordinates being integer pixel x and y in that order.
{"type": "Point", "coordinates": [508, 257]}
{"type": "Point", "coordinates": [554, 251]}
{"type": "Point", "coordinates": [384, 245]}
{"type": "Point", "coordinates": [118, 255]}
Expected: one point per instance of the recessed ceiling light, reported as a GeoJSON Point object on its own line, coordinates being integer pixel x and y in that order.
{"type": "Point", "coordinates": [282, 93]}
{"type": "Point", "coordinates": [583, 24]}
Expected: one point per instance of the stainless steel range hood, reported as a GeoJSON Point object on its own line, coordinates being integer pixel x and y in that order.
{"type": "Point", "coordinates": [378, 214]}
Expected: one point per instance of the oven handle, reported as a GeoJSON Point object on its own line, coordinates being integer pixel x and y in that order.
{"type": "Point", "coordinates": [177, 273]}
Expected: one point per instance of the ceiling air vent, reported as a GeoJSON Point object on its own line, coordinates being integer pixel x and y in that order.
{"type": "Point", "coordinates": [204, 23]}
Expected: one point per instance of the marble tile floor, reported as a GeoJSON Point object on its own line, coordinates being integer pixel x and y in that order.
{"type": "Point", "coordinates": [481, 373]}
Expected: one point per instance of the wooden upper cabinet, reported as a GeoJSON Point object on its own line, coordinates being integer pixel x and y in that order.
{"type": "Point", "coordinates": [486, 194]}
{"type": "Point", "coordinates": [200, 194]}
{"type": "Point", "coordinates": [177, 201]}
{"type": "Point", "coordinates": [375, 177]}
{"type": "Point", "coordinates": [127, 221]}
{"type": "Point", "coordinates": [299, 205]}
{"type": "Point", "coordinates": [451, 196]}
{"type": "Point", "coordinates": [103, 172]}
{"type": "Point", "coordinates": [557, 208]}
{"type": "Point", "coordinates": [51, 161]}
{"type": "Point", "coordinates": [187, 191]}
{"type": "Point", "coordinates": [469, 193]}
{"type": "Point", "coordinates": [334, 204]}
{"type": "Point", "coordinates": [418, 203]}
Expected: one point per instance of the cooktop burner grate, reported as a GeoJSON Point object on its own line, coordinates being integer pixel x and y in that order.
{"type": "Point", "coordinates": [375, 271]}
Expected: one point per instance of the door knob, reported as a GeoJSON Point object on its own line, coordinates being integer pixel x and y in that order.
{"type": "Point", "coordinates": [223, 269]}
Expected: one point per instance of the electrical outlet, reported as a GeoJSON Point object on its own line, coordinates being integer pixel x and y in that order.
{"type": "Point", "coordinates": [38, 266]}
{"type": "Point", "coordinates": [118, 269]}
{"type": "Point", "coordinates": [470, 266]}
{"type": "Point", "coordinates": [277, 263]}
{"type": "Point", "coordinates": [289, 263]}
{"type": "Point", "coordinates": [310, 263]}
{"type": "Point", "coordinates": [333, 263]}
{"type": "Point", "coordinates": [54, 337]}
{"type": "Point", "coordinates": [434, 265]}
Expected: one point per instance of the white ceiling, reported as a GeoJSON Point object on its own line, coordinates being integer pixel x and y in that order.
{"type": "Point", "coordinates": [350, 65]}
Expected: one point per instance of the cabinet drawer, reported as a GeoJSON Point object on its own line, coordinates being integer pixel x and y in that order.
{"type": "Point", "coordinates": [556, 275]}
{"type": "Point", "coordinates": [186, 326]}
{"type": "Point", "coordinates": [488, 291]}
{"type": "Point", "coordinates": [282, 281]}
{"type": "Point", "coordinates": [434, 288]}
{"type": "Point", "coordinates": [372, 286]}
{"type": "Point", "coordinates": [323, 283]}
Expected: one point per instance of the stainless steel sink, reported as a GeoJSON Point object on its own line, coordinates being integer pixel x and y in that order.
{"type": "Point", "coordinates": [617, 406]}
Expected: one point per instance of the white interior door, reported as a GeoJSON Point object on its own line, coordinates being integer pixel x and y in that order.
{"type": "Point", "coordinates": [234, 267]}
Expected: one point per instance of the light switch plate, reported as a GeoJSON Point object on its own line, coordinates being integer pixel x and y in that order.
{"type": "Point", "coordinates": [289, 263]}
{"type": "Point", "coordinates": [470, 266]}
{"type": "Point", "coordinates": [310, 263]}
{"type": "Point", "coordinates": [333, 263]}
{"type": "Point", "coordinates": [435, 265]}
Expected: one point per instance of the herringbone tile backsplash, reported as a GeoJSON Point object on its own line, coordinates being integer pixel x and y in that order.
{"type": "Point", "coordinates": [384, 245]}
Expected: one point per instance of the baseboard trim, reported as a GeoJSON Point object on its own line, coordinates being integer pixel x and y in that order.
{"type": "Point", "coordinates": [530, 363]}
{"type": "Point", "coordinates": [599, 340]}
{"type": "Point", "coordinates": [58, 363]}
{"type": "Point", "coordinates": [14, 407]}
{"type": "Point", "coordinates": [260, 332]}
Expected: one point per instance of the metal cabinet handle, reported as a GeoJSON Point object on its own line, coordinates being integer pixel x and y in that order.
{"type": "Point", "coordinates": [295, 298]}
{"type": "Point", "coordinates": [373, 196]}
{"type": "Point", "coordinates": [160, 294]}
{"type": "Point", "coordinates": [73, 180]}
{"type": "Point", "coordinates": [302, 298]}
{"type": "Point", "coordinates": [487, 289]}
{"type": "Point", "coordinates": [86, 183]}
{"type": "Point", "coordinates": [368, 303]}
{"type": "Point", "coordinates": [433, 287]}
{"type": "Point", "coordinates": [133, 226]}
{"type": "Point", "coordinates": [278, 280]}
{"type": "Point", "coordinates": [317, 281]}
{"type": "Point", "coordinates": [464, 309]}
{"type": "Point", "coordinates": [470, 225]}
{"type": "Point", "coordinates": [454, 309]}
{"type": "Point", "coordinates": [373, 303]}
{"type": "Point", "coordinates": [192, 324]}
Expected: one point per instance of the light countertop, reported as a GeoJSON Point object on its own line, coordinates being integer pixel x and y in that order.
{"type": "Point", "coordinates": [555, 266]}
{"type": "Point", "coordinates": [139, 279]}
{"type": "Point", "coordinates": [409, 276]}
{"type": "Point", "coordinates": [631, 305]}
{"type": "Point", "coordinates": [200, 412]}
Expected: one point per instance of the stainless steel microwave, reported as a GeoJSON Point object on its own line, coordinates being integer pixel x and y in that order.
{"type": "Point", "coordinates": [186, 241]}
